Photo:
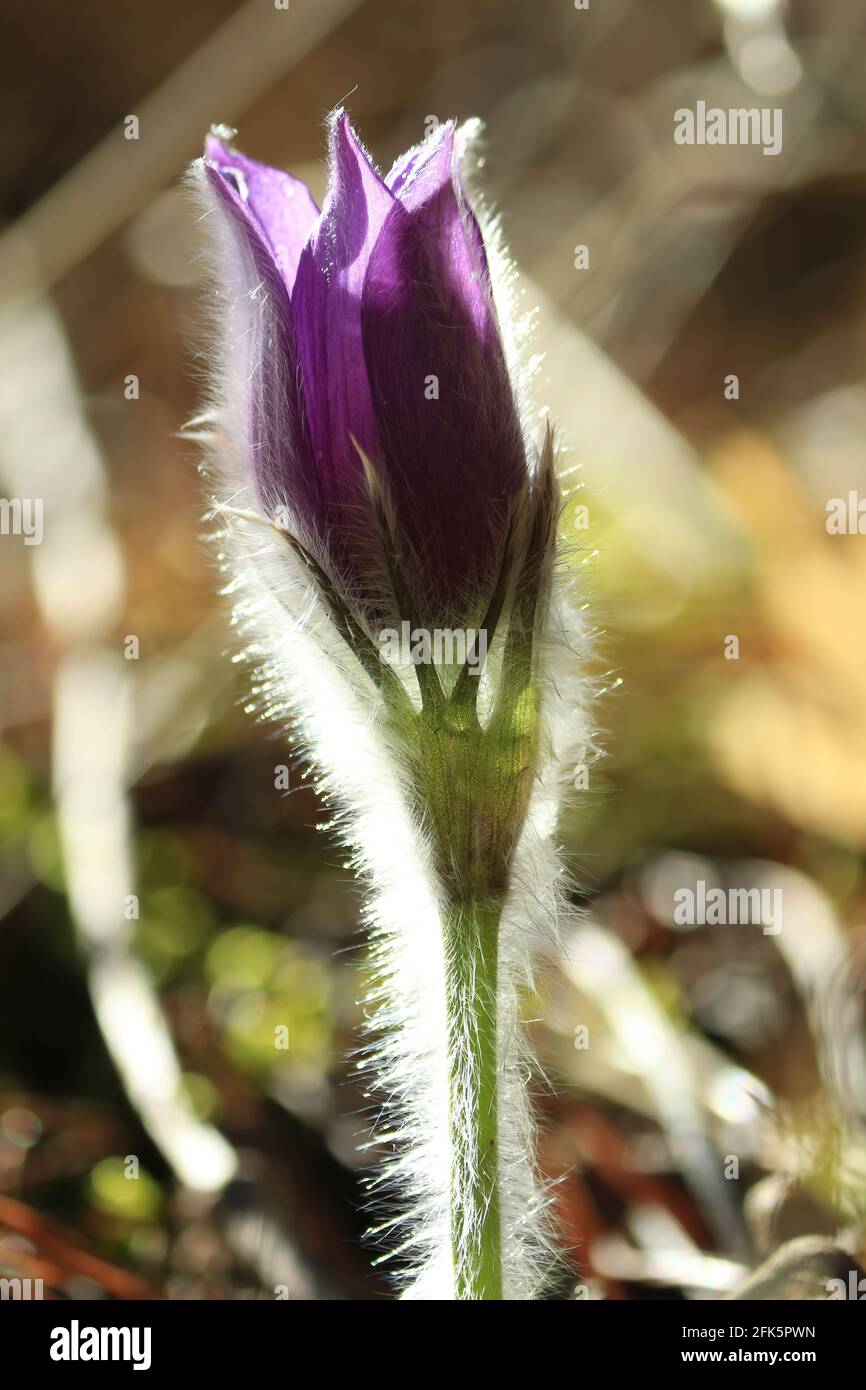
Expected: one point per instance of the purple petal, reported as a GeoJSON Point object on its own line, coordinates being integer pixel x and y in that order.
{"type": "Point", "coordinates": [454, 463]}
{"type": "Point", "coordinates": [327, 308]}
{"type": "Point", "coordinates": [277, 435]}
{"type": "Point", "coordinates": [282, 205]}
{"type": "Point", "coordinates": [405, 164]}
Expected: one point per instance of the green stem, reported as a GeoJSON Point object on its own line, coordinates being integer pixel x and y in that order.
{"type": "Point", "coordinates": [472, 787]}
{"type": "Point", "coordinates": [472, 948]}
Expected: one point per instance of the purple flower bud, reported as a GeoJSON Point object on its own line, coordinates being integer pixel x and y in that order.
{"type": "Point", "coordinates": [369, 328]}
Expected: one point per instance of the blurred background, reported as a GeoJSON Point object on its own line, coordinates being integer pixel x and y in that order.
{"type": "Point", "coordinates": [168, 905]}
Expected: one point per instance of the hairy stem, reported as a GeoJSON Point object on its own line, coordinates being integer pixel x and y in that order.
{"type": "Point", "coordinates": [471, 784]}
{"type": "Point", "coordinates": [472, 947]}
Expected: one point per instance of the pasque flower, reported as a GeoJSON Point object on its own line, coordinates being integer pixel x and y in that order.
{"type": "Point", "coordinates": [372, 328]}
{"type": "Point", "coordinates": [372, 468]}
